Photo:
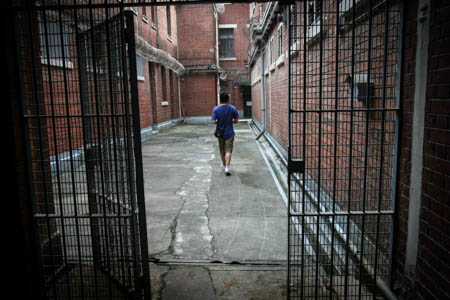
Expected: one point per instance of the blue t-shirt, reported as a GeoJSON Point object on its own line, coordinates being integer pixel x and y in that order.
{"type": "Point", "coordinates": [224, 114]}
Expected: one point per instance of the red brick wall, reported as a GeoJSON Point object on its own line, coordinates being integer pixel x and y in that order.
{"type": "Point", "coordinates": [433, 258]}
{"type": "Point", "coordinates": [198, 94]}
{"type": "Point", "coordinates": [156, 34]}
{"type": "Point", "coordinates": [197, 40]}
{"type": "Point", "coordinates": [196, 34]}
{"type": "Point", "coordinates": [406, 108]}
{"type": "Point", "coordinates": [237, 13]}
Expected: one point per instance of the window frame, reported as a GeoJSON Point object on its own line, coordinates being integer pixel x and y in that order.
{"type": "Point", "coordinates": [140, 67]}
{"type": "Point", "coordinates": [232, 54]}
{"type": "Point", "coordinates": [313, 28]}
{"type": "Point", "coordinates": [169, 22]}
{"type": "Point", "coordinates": [45, 30]}
{"type": "Point", "coordinates": [280, 36]}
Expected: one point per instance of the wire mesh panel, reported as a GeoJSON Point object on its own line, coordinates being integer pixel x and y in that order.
{"type": "Point", "coordinates": [344, 65]}
{"type": "Point", "coordinates": [81, 113]}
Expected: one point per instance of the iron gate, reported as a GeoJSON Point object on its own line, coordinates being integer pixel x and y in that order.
{"type": "Point", "coordinates": [82, 117]}
{"type": "Point", "coordinates": [343, 113]}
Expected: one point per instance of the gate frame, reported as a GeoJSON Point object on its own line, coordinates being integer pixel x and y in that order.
{"type": "Point", "coordinates": [291, 163]}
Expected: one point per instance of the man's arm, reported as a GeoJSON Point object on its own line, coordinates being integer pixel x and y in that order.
{"type": "Point", "coordinates": [214, 117]}
{"type": "Point", "coordinates": [235, 115]}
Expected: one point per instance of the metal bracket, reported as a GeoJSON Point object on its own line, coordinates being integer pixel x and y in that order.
{"type": "Point", "coordinates": [296, 166]}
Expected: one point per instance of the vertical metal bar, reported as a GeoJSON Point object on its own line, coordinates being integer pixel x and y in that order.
{"type": "Point", "coordinates": [302, 185]}
{"type": "Point", "coordinates": [138, 158]}
{"type": "Point", "coordinates": [319, 158]}
{"type": "Point", "coordinates": [383, 113]}
{"type": "Point", "coordinates": [289, 270]}
{"type": "Point", "coordinates": [347, 248]}
{"type": "Point", "coordinates": [19, 33]}
{"type": "Point", "coordinates": [38, 115]}
{"type": "Point", "coordinates": [128, 30]}
{"type": "Point", "coordinates": [336, 105]}
{"type": "Point", "coordinates": [111, 23]}
{"type": "Point", "coordinates": [397, 133]}
{"type": "Point", "coordinates": [127, 175]}
{"type": "Point", "coordinates": [366, 150]}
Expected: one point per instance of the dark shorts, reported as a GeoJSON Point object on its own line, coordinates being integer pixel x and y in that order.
{"type": "Point", "coordinates": [226, 145]}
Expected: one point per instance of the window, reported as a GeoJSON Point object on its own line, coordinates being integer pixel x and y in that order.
{"type": "Point", "coordinates": [155, 16]}
{"type": "Point", "coordinates": [226, 42]}
{"type": "Point", "coordinates": [139, 69]}
{"type": "Point", "coordinates": [144, 14]}
{"type": "Point", "coordinates": [163, 84]}
{"type": "Point", "coordinates": [294, 21]}
{"type": "Point", "coordinates": [280, 40]}
{"type": "Point", "coordinates": [346, 5]}
{"type": "Point", "coordinates": [54, 43]}
{"type": "Point", "coordinates": [314, 15]}
{"type": "Point", "coordinates": [314, 11]}
{"type": "Point", "coordinates": [271, 50]}
{"type": "Point", "coordinates": [169, 23]}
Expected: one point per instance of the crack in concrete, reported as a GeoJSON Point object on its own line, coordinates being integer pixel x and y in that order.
{"type": "Point", "coordinates": [213, 239]}
{"type": "Point", "coordinates": [162, 278]}
{"type": "Point", "coordinates": [192, 235]}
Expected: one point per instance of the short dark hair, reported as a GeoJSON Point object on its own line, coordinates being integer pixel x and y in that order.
{"type": "Point", "coordinates": [224, 97]}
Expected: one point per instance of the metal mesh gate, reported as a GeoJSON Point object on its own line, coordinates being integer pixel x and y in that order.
{"type": "Point", "coordinates": [343, 112]}
{"type": "Point", "coordinates": [81, 114]}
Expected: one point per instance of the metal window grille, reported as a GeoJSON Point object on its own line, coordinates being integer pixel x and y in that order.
{"type": "Point", "coordinates": [80, 112]}
{"type": "Point", "coordinates": [343, 114]}
{"type": "Point", "coordinates": [226, 42]}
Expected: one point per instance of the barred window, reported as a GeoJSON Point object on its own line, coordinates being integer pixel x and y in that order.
{"type": "Point", "coordinates": [294, 20]}
{"type": "Point", "coordinates": [226, 42]}
{"type": "Point", "coordinates": [169, 22]}
{"type": "Point", "coordinates": [314, 11]}
{"type": "Point", "coordinates": [54, 40]}
{"type": "Point", "coordinates": [280, 40]}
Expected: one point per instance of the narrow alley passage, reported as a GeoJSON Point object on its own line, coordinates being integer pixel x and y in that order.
{"type": "Point", "coordinates": [198, 217]}
{"type": "Point", "coordinates": [195, 212]}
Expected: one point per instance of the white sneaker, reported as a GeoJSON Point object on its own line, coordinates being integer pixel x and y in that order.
{"type": "Point", "coordinates": [222, 166]}
{"type": "Point", "coordinates": [227, 171]}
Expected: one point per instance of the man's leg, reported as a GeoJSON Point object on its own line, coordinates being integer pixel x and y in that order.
{"type": "Point", "coordinates": [223, 157]}
{"type": "Point", "coordinates": [227, 159]}
{"type": "Point", "coordinates": [228, 151]}
{"type": "Point", "coordinates": [222, 151]}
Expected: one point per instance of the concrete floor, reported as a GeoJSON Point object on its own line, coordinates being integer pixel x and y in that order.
{"type": "Point", "coordinates": [200, 220]}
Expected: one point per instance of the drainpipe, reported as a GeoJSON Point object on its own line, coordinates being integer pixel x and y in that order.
{"type": "Point", "coordinates": [263, 96]}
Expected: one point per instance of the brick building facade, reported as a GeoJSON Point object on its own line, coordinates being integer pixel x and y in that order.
{"type": "Point", "coordinates": [210, 69]}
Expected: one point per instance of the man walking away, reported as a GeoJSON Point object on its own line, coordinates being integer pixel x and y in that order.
{"type": "Point", "coordinates": [224, 116]}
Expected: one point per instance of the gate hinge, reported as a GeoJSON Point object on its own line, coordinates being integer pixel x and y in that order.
{"type": "Point", "coordinates": [296, 166]}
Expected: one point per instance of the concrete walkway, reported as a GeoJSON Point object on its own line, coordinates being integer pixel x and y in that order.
{"type": "Point", "coordinates": [196, 215]}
